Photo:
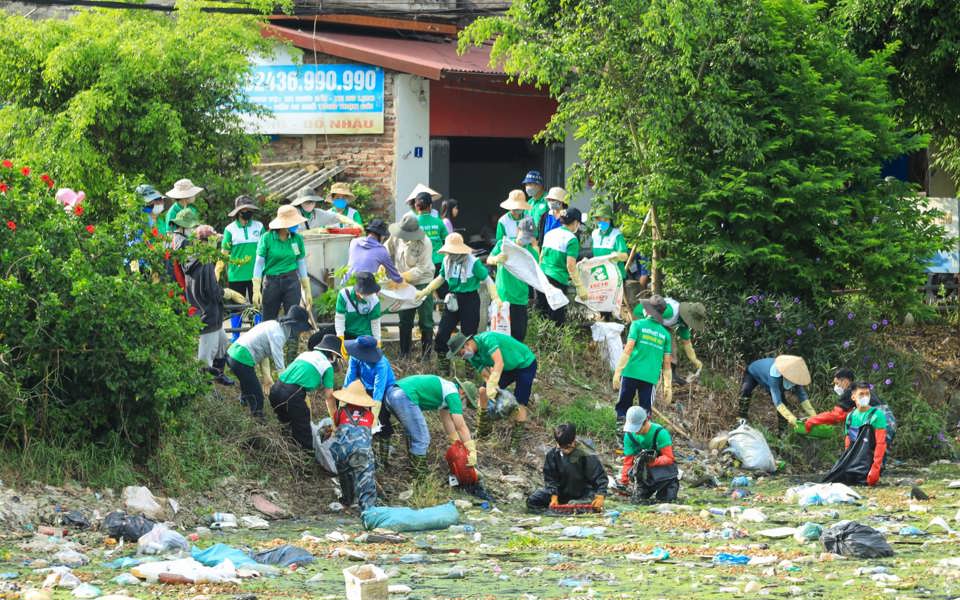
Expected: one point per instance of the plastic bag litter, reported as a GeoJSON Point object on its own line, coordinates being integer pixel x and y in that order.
{"type": "Point", "coordinates": [160, 540]}
{"type": "Point", "coordinates": [753, 515]}
{"type": "Point", "coordinates": [807, 532]}
{"type": "Point", "coordinates": [75, 518]}
{"type": "Point", "coordinates": [321, 449]}
{"type": "Point", "coordinates": [522, 265]}
{"type": "Point", "coordinates": [503, 405]}
{"type": "Point", "coordinates": [815, 494]}
{"type": "Point", "coordinates": [911, 531]}
{"type": "Point", "coordinates": [218, 553]}
{"type": "Point", "coordinates": [723, 558]}
{"type": "Point", "coordinates": [284, 556]}
{"type": "Point", "coordinates": [611, 346]}
{"type": "Point", "coordinates": [139, 499]}
{"type": "Point", "coordinates": [604, 284]}
{"type": "Point", "coordinates": [402, 519]}
{"type": "Point", "coordinates": [254, 522]}
{"type": "Point", "coordinates": [120, 525]}
{"type": "Point", "coordinates": [849, 538]}
{"type": "Point", "coordinates": [60, 577]}
{"type": "Point", "coordinates": [125, 579]}
{"type": "Point", "coordinates": [186, 570]}
{"type": "Point", "coordinates": [86, 591]}
{"type": "Point", "coordinates": [778, 533]}
{"type": "Point", "coordinates": [582, 532]}
{"type": "Point", "coordinates": [123, 563]}
{"type": "Point", "coordinates": [70, 558]}
{"type": "Point", "coordinates": [751, 449]}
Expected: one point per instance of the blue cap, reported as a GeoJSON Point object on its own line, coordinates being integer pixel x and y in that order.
{"type": "Point", "coordinates": [148, 193]}
{"type": "Point", "coordinates": [533, 177]}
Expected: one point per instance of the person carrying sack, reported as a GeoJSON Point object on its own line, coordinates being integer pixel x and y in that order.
{"type": "Point", "coordinates": [558, 259]}
{"type": "Point", "coordinates": [511, 289]}
{"type": "Point", "coordinates": [648, 459]}
{"type": "Point", "coordinates": [865, 442]}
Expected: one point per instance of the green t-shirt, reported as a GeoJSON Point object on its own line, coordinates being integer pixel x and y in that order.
{"type": "Point", "coordinates": [539, 207]}
{"type": "Point", "coordinates": [431, 392]}
{"type": "Point", "coordinates": [436, 232]}
{"type": "Point", "coordinates": [511, 289]}
{"type": "Point", "coordinates": [611, 242]}
{"type": "Point", "coordinates": [633, 443]}
{"type": "Point", "coordinates": [506, 221]}
{"type": "Point", "coordinates": [240, 244]}
{"type": "Point", "coordinates": [310, 371]}
{"type": "Point", "coordinates": [873, 416]}
{"type": "Point", "coordinates": [280, 256]}
{"type": "Point", "coordinates": [241, 355]}
{"type": "Point", "coordinates": [456, 283]}
{"type": "Point", "coordinates": [358, 314]}
{"type": "Point", "coordinates": [515, 354]}
{"type": "Point", "coordinates": [172, 213]}
{"type": "Point", "coordinates": [558, 245]}
{"type": "Point", "coordinates": [651, 343]}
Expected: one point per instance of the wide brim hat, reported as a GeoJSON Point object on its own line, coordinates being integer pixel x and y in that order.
{"type": "Point", "coordinates": [793, 368]}
{"type": "Point", "coordinates": [306, 194]}
{"type": "Point", "coordinates": [364, 349]}
{"type": "Point", "coordinates": [408, 229]}
{"type": "Point", "coordinates": [469, 389]}
{"type": "Point", "coordinates": [456, 344]}
{"type": "Point", "coordinates": [654, 307]}
{"type": "Point", "coordinates": [242, 202]}
{"type": "Point", "coordinates": [186, 218]}
{"type": "Point", "coordinates": [603, 212]}
{"type": "Point", "coordinates": [327, 343]}
{"type": "Point", "coordinates": [694, 314]}
{"type": "Point", "coordinates": [378, 227]}
{"type": "Point", "coordinates": [454, 245]}
{"type": "Point", "coordinates": [339, 189]}
{"type": "Point", "coordinates": [148, 193]}
{"type": "Point", "coordinates": [366, 283]}
{"type": "Point", "coordinates": [183, 189]}
{"type": "Point", "coordinates": [287, 216]}
{"type": "Point", "coordinates": [557, 193]}
{"type": "Point", "coordinates": [422, 189]}
{"type": "Point", "coordinates": [297, 318]}
{"type": "Point", "coordinates": [516, 200]}
{"type": "Point", "coordinates": [355, 394]}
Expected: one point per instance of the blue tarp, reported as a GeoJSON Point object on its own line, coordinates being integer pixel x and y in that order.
{"type": "Point", "coordinates": [408, 519]}
{"type": "Point", "coordinates": [216, 554]}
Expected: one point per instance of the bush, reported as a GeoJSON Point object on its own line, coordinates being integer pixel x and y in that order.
{"type": "Point", "coordinates": [89, 352]}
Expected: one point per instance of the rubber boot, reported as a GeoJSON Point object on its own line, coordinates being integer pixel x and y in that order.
{"type": "Point", "coordinates": [808, 408]}
{"type": "Point", "coordinates": [426, 344]}
{"type": "Point", "coordinates": [744, 407]}
{"type": "Point", "coordinates": [483, 424]}
{"type": "Point", "coordinates": [383, 453]}
{"type": "Point", "coordinates": [419, 466]}
{"type": "Point", "coordinates": [517, 435]}
{"type": "Point", "coordinates": [443, 366]}
{"type": "Point", "coordinates": [677, 377]}
{"type": "Point", "coordinates": [220, 375]}
{"type": "Point", "coordinates": [786, 414]}
{"type": "Point", "coordinates": [406, 340]}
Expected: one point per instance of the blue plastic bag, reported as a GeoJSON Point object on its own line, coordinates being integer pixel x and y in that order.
{"type": "Point", "coordinates": [217, 553]}
{"type": "Point", "coordinates": [408, 519]}
{"type": "Point", "coordinates": [723, 558]}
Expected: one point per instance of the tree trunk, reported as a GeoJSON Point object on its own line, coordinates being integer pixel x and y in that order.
{"type": "Point", "coordinates": [655, 277]}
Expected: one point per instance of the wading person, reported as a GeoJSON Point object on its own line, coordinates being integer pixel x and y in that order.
{"type": "Point", "coordinates": [352, 445]}
{"type": "Point", "coordinates": [571, 474]}
{"type": "Point", "coordinates": [280, 277]}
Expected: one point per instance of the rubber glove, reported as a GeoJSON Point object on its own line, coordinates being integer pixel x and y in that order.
{"type": "Point", "coordinates": [554, 502]}
{"type": "Point", "coordinates": [257, 293]}
{"type": "Point", "coordinates": [407, 276]}
{"type": "Point", "coordinates": [497, 260]}
{"type": "Point", "coordinates": [627, 465]}
{"type": "Point", "coordinates": [307, 293]}
{"type": "Point", "coordinates": [618, 372]}
{"type": "Point", "coordinates": [431, 288]}
{"type": "Point", "coordinates": [494, 295]}
{"type": "Point", "coordinates": [234, 296]}
{"type": "Point", "coordinates": [597, 503]}
{"type": "Point", "coordinates": [343, 348]}
{"type": "Point", "coordinates": [472, 457]}
{"type": "Point", "coordinates": [879, 451]}
{"type": "Point", "coordinates": [874, 475]}
{"type": "Point", "coordinates": [667, 386]}
{"type": "Point", "coordinates": [493, 385]}
{"type": "Point", "coordinates": [837, 415]}
{"type": "Point", "coordinates": [691, 355]}
{"type": "Point", "coordinates": [267, 374]}
{"type": "Point", "coordinates": [394, 285]}
{"type": "Point", "coordinates": [218, 270]}
{"type": "Point", "coordinates": [582, 292]}
{"type": "Point", "coordinates": [454, 437]}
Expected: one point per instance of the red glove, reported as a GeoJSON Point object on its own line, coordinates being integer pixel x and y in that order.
{"type": "Point", "coordinates": [846, 442]}
{"type": "Point", "coordinates": [625, 472]}
{"type": "Point", "coordinates": [665, 459]}
{"type": "Point", "coordinates": [874, 475]}
{"type": "Point", "coordinates": [878, 453]}
{"type": "Point", "coordinates": [837, 415]}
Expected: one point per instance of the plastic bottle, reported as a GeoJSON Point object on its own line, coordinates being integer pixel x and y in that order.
{"type": "Point", "coordinates": [461, 529]}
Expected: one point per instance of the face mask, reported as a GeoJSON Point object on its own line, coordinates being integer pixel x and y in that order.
{"type": "Point", "coordinates": [839, 390]}
{"type": "Point", "coordinates": [246, 216]}
{"type": "Point", "coordinates": [293, 229]}
{"type": "Point", "coordinates": [516, 214]}
{"type": "Point", "coordinates": [460, 258]}
{"type": "Point", "coordinates": [603, 226]}
{"type": "Point", "coordinates": [531, 191]}
{"type": "Point", "coordinates": [339, 203]}
{"type": "Point", "coordinates": [157, 209]}
{"type": "Point", "coordinates": [863, 401]}
{"type": "Point", "coordinates": [468, 354]}
{"type": "Point", "coordinates": [554, 205]}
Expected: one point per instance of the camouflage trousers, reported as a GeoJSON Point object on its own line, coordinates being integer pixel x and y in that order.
{"type": "Point", "coordinates": [352, 451]}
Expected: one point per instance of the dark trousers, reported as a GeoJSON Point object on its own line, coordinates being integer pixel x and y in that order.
{"type": "Point", "coordinates": [747, 385]}
{"type": "Point", "coordinates": [467, 316]}
{"type": "Point", "coordinates": [558, 316]}
{"type": "Point", "coordinates": [665, 491]}
{"type": "Point", "coordinates": [331, 329]}
{"type": "Point", "coordinates": [242, 287]}
{"type": "Point", "coordinates": [523, 378]}
{"type": "Point", "coordinates": [251, 394]}
{"type": "Point", "coordinates": [630, 387]}
{"type": "Point", "coordinates": [444, 288]}
{"type": "Point", "coordinates": [280, 291]}
{"type": "Point", "coordinates": [519, 315]}
{"type": "Point", "coordinates": [540, 499]}
{"type": "Point", "coordinates": [289, 402]}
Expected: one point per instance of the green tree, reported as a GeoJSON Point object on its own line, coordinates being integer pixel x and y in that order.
{"type": "Point", "coordinates": [749, 132]}
{"type": "Point", "coordinates": [111, 93]}
{"type": "Point", "coordinates": [923, 37]}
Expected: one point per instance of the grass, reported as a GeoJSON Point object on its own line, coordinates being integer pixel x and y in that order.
{"type": "Point", "coordinates": [598, 422]}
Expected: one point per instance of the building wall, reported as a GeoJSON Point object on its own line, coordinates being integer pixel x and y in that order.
{"type": "Point", "coordinates": [367, 158]}
{"type": "Point", "coordinates": [412, 151]}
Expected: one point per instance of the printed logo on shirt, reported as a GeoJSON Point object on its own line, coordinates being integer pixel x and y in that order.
{"type": "Point", "coordinates": [296, 249]}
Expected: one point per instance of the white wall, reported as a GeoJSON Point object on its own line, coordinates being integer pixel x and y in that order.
{"type": "Point", "coordinates": [571, 154]}
{"type": "Point", "coordinates": [412, 98]}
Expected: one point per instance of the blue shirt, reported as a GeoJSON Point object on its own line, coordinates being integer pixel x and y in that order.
{"type": "Point", "coordinates": [760, 370]}
{"type": "Point", "coordinates": [551, 223]}
{"type": "Point", "coordinates": [377, 378]}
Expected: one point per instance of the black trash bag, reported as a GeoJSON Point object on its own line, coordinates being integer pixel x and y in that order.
{"type": "Point", "coordinates": [120, 525]}
{"type": "Point", "coordinates": [849, 538]}
{"type": "Point", "coordinates": [75, 518]}
{"type": "Point", "coordinates": [284, 556]}
{"type": "Point", "coordinates": [854, 464]}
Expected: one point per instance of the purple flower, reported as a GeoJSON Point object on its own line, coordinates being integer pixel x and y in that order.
{"type": "Point", "coordinates": [874, 326]}
{"type": "Point", "coordinates": [871, 386]}
{"type": "Point", "coordinates": [752, 300]}
{"type": "Point", "coordinates": [799, 332]}
{"type": "Point", "coordinates": [850, 315]}
{"type": "Point", "coordinates": [876, 367]}
{"type": "Point", "coordinates": [885, 322]}
{"type": "Point", "coordinates": [830, 323]}
{"type": "Point", "coordinates": [790, 341]}
{"type": "Point", "coordinates": [811, 326]}
{"type": "Point", "coordinates": [776, 304]}
{"type": "Point", "coordinates": [756, 323]}
{"type": "Point", "coordinates": [846, 344]}
{"type": "Point", "coordinates": [796, 300]}
{"type": "Point", "coordinates": [887, 381]}
{"type": "Point", "coordinates": [779, 315]}
{"type": "Point", "coordinates": [890, 365]}
{"type": "Point", "coordinates": [941, 437]}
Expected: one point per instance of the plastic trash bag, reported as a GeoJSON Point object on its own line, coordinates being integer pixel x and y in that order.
{"type": "Point", "coordinates": [607, 335]}
{"type": "Point", "coordinates": [522, 265]}
{"type": "Point", "coordinates": [77, 519]}
{"type": "Point", "coordinates": [500, 320]}
{"type": "Point", "coordinates": [503, 405]}
{"type": "Point", "coordinates": [86, 591]}
{"type": "Point", "coordinates": [849, 538]}
{"type": "Point", "coordinates": [120, 525]}
{"type": "Point", "coordinates": [807, 532]}
{"type": "Point", "coordinates": [855, 463]}
{"type": "Point", "coordinates": [186, 570]}
{"type": "Point", "coordinates": [402, 298]}
{"type": "Point", "coordinates": [321, 450]}
{"type": "Point", "coordinates": [815, 494]}
{"type": "Point", "coordinates": [160, 540]}
{"type": "Point", "coordinates": [70, 558]}
{"type": "Point", "coordinates": [751, 449]}
{"type": "Point", "coordinates": [218, 553]}
{"type": "Point", "coordinates": [402, 519]}
{"type": "Point", "coordinates": [604, 284]}
{"type": "Point", "coordinates": [284, 556]}
{"type": "Point", "coordinates": [139, 499]}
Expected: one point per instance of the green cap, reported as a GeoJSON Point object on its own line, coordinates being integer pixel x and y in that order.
{"type": "Point", "coordinates": [456, 344]}
{"type": "Point", "coordinates": [187, 218]}
{"type": "Point", "coordinates": [469, 389]}
{"type": "Point", "coordinates": [602, 211]}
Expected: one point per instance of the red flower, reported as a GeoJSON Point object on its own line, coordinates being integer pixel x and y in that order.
{"type": "Point", "coordinates": [3, 188]}
{"type": "Point", "coordinates": [89, 229]}
{"type": "Point", "coordinates": [78, 209]}
{"type": "Point", "coordinates": [191, 311]}
{"type": "Point", "coordinates": [11, 226]}
{"type": "Point", "coordinates": [170, 293]}
{"type": "Point", "coordinates": [47, 180]}
{"type": "Point", "coordinates": [7, 164]}
{"type": "Point", "coordinates": [155, 232]}
{"type": "Point", "coordinates": [25, 171]}
{"type": "Point", "coordinates": [166, 255]}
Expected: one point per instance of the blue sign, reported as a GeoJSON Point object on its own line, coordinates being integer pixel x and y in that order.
{"type": "Point", "coordinates": [317, 99]}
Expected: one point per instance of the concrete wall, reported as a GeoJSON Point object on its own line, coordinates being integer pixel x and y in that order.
{"type": "Point", "coordinates": [412, 140]}
{"type": "Point", "coordinates": [571, 155]}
